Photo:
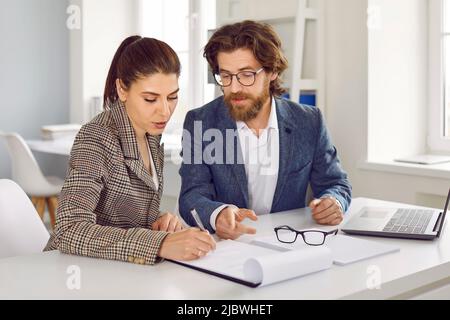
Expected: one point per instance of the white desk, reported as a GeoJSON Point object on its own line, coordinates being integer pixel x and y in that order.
{"type": "Point", "coordinates": [172, 159]}
{"type": "Point", "coordinates": [59, 146]}
{"type": "Point", "coordinates": [410, 272]}
{"type": "Point", "coordinates": [172, 146]}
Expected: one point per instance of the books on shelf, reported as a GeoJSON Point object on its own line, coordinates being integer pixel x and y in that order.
{"type": "Point", "coordinates": [63, 131]}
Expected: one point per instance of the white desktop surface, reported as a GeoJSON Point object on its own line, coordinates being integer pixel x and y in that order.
{"type": "Point", "coordinates": [58, 146]}
{"type": "Point", "coordinates": [417, 265]}
{"type": "Point", "coordinates": [63, 146]}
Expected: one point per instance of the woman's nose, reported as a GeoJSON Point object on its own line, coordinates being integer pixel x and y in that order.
{"type": "Point", "coordinates": [164, 108]}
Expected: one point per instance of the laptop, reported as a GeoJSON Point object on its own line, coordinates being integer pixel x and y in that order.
{"type": "Point", "coordinates": [422, 224]}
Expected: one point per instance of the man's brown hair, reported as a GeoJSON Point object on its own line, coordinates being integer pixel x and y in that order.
{"type": "Point", "coordinates": [258, 37]}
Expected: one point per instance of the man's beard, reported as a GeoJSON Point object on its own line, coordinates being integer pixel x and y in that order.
{"type": "Point", "coordinates": [245, 113]}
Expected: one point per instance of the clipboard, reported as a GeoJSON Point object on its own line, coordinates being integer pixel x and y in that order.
{"type": "Point", "coordinates": [220, 275]}
{"type": "Point", "coordinates": [255, 266]}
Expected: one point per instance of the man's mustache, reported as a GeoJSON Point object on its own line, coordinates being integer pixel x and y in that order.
{"type": "Point", "coordinates": [238, 96]}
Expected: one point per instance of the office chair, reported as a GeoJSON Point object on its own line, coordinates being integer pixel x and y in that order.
{"type": "Point", "coordinates": [21, 230]}
{"type": "Point", "coordinates": [26, 172]}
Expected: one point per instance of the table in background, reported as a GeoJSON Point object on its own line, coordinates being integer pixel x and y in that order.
{"type": "Point", "coordinates": [172, 146]}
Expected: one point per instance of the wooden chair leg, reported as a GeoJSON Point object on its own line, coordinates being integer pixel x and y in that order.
{"type": "Point", "coordinates": [34, 200]}
{"type": "Point", "coordinates": [52, 204]}
{"type": "Point", "coordinates": [40, 206]}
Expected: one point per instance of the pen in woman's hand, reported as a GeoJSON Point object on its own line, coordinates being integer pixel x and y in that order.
{"type": "Point", "coordinates": [198, 221]}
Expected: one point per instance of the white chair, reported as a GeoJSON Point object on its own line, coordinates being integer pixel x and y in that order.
{"type": "Point", "coordinates": [26, 172]}
{"type": "Point", "coordinates": [21, 230]}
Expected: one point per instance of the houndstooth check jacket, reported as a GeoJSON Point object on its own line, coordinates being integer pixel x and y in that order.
{"type": "Point", "coordinates": [108, 201]}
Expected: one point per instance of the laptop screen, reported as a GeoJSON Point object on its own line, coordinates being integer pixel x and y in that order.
{"type": "Point", "coordinates": [443, 214]}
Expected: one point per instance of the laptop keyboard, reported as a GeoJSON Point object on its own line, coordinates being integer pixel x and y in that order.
{"type": "Point", "coordinates": [412, 221]}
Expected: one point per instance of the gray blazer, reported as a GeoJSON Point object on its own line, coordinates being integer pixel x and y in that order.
{"type": "Point", "coordinates": [307, 157]}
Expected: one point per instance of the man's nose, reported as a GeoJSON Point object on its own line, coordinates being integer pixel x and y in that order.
{"type": "Point", "coordinates": [235, 86]}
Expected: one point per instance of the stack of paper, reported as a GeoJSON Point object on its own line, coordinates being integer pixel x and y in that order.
{"type": "Point", "coordinates": [64, 131]}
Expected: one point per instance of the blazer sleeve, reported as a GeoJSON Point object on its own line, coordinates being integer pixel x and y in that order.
{"type": "Point", "coordinates": [197, 184]}
{"type": "Point", "coordinates": [76, 230]}
{"type": "Point", "coordinates": [327, 175]}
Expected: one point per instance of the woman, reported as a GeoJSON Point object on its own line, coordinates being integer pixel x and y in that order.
{"type": "Point", "coordinates": [109, 204]}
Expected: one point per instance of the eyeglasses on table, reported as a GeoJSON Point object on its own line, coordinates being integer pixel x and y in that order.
{"type": "Point", "coordinates": [286, 234]}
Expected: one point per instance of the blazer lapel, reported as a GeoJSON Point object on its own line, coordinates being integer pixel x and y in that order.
{"type": "Point", "coordinates": [234, 148]}
{"type": "Point", "coordinates": [286, 146]}
{"type": "Point", "coordinates": [157, 150]}
{"type": "Point", "coordinates": [241, 177]}
{"type": "Point", "coordinates": [139, 170]}
{"type": "Point", "coordinates": [130, 147]}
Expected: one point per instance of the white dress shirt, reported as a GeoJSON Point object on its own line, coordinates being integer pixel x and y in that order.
{"type": "Point", "coordinates": [152, 166]}
{"type": "Point", "coordinates": [261, 160]}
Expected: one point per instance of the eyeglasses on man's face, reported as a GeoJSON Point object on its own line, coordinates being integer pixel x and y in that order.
{"type": "Point", "coordinates": [286, 234]}
{"type": "Point", "coordinates": [245, 78]}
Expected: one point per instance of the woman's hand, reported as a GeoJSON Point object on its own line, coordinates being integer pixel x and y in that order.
{"type": "Point", "coordinates": [168, 223]}
{"type": "Point", "coordinates": [186, 245]}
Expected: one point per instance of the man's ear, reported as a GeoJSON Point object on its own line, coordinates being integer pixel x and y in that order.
{"type": "Point", "coordinates": [121, 91]}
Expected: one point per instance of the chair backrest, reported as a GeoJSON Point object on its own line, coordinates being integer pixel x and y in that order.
{"type": "Point", "coordinates": [22, 231]}
{"type": "Point", "coordinates": [25, 169]}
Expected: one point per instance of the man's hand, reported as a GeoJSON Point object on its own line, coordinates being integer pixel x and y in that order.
{"type": "Point", "coordinates": [168, 223]}
{"type": "Point", "coordinates": [326, 211]}
{"type": "Point", "coordinates": [228, 222]}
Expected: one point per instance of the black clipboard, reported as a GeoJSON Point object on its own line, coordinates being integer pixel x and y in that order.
{"type": "Point", "coordinates": [220, 275]}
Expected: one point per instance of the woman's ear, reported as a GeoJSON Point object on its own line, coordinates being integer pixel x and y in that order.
{"type": "Point", "coordinates": [274, 76]}
{"type": "Point", "coordinates": [121, 91]}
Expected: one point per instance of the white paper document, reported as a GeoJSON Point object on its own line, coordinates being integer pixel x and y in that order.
{"type": "Point", "coordinates": [344, 249]}
{"type": "Point", "coordinates": [254, 265]}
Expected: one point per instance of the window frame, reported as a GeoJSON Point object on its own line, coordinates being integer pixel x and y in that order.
{"type": "Point", "coordinates": [198, 71]}
{"type": "Point", "coordinates": [437, 141]}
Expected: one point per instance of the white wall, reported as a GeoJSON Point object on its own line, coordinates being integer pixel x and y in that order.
{"type": "Point", "coordinates": [398, 79]}
{"type": "Point", "coordinates": [347, 107]}
{"type": "Point", "coordinates": [105, 24]}
{"type": "Point", "coordinates": [34, 73]}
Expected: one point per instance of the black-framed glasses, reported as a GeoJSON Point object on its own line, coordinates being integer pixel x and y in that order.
{"type": "Point", "coordinates": [246, 78]}
{"type": "Point", "coordinates": [286, 234]}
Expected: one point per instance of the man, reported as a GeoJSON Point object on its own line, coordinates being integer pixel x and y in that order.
{"type": "Point", "coordinates": [278, 147]}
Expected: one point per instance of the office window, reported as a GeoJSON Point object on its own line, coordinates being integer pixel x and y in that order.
{"type": "Point", "coordinates": [439, 72]}
{"type": "Point", "coordinates": [184, 25]}
{"type": "Point", "coordinates": [445, 35]}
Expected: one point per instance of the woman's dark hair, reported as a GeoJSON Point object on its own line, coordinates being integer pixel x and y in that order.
{"type": "Point", "coordinates": [258, 37]}
{"type": "Point", "coordinates": [138, 57]}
